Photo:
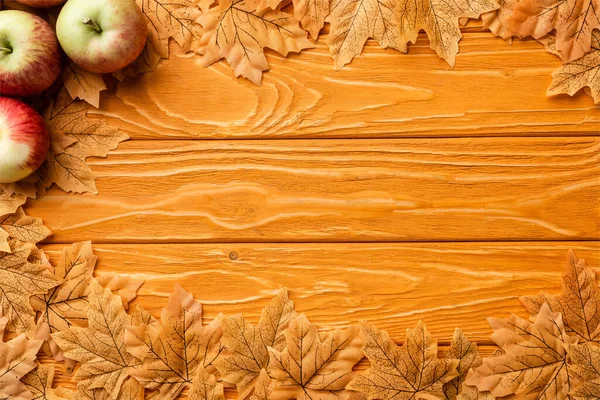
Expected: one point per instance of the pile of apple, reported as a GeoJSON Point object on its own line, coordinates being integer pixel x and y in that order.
{"type": "Point", "coordinates": [101, 36]}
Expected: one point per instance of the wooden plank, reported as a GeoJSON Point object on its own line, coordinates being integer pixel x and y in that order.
{"type": "Point", "coordinates": [336, 190]}
{"type": "Point", "coordinates": [446, 285]}
{"type": "Point", "coordinates": [494, 89]}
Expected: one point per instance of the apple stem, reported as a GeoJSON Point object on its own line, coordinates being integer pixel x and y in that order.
{"type": "Point", "coordinates": [5, 50]}
{"type": "Point", "coordinates": [90, 22]}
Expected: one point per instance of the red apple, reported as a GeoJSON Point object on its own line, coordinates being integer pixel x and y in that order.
{"type": "Point", "coordinates": [24, 140]}
{"type": "Point", "coordinates": [102, 36]}
{"type": "Point", "coordinates": [29, 54]}
{"type": "Point", "coordinates": [41, 3]}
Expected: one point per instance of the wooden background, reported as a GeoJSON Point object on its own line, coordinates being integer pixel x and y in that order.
{"type": "Point", "coordinates": [394, 190]}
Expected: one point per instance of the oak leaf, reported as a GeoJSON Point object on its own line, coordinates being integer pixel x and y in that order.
{"type": "Point", "coordinates": [246, 351]}
{"type": "Point", "coordinates": [583, 72]}
{"type": "Point", "coordinates": [236, 31]}
{"type": "Point", "coordinates": [82, 84]}
{"type": "Point", "coordinates": [172, 353]}
{"type": "Point", "coordinates": [573, 20]}
{"type": "Point", "coordinates": [585, 361]}
{"type": "Point", "coordinates": [39, 383]}
{"type": "Point", "coordinates": [440, 20]}
{"type": "Point", "coordinates": [579, 302]}
{"type": "Point", "coordinates": [205, 387]}
{"type": "Point", "coordinates": [17, 358]}
{"type": "Point", "coordinates": [466, 353]}
{"type": "Point", "coordinates": [100, 347]}
{"type": "Point", "coordinates": [263, 387]}
{"type": "Point", "coordinates": [313, 366]}
{"type": "Point", "coordinates": [535, 361]}
{"type": "Point", "coordinates": [173, 19]}
{"type": "Point", "coordinates": [353, 22]}
{"type": "Point", "coordinates": [407, 372]}
{"type": "Point", "coordinates": [19, 280]}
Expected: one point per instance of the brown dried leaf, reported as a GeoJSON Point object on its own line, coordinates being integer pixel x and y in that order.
{"type": "Point", "coordinates": [471, 393]}
{"type": "Point", "coordinates": [497, 20]}
{"type": "Point", "coordinates": [535, 361]}
{"type": "Point", "coordinates": [353, 22]}
{"type": "Point", "coordinates": [125, 286]}
{"type": "Point", "coordinates": [579, 302]}
{"type": "Point", "coordinates": [585, 361]}
{"type": "Point", "coordinates": [19, 280]}
{"type": "Point", "coordinates": [173, 19]}
{"type": "Point", "coordinates": [573, 20]}
{"type": "Point", "coordinates": [439, 19]}
{"type": "Point", "coordinates": [39, 383]}
{"type": "Point", "coordinates": [24, 228]}
{"type": "Point", "coordinates": [172, 354]}
{"type": "Point", "coordinates": [83, 84]}
{"type": "Point", "coordinates": [17, 358]}
{"type": "Point", "coordinates": [466, 352]}
{"type": "Point", "coordinates": [407, 372]}
{"type": "Point", "coordinates": [311, 14]}
{"type": "Point", "coordinates": [146, 62]}
{"type": "Point", "coordinates": [130, 390]}
{"type": "Point", "coordinates": [100, 347]}
{"type": "Point", "coordinates": [246, 345]}
{"type": "Point", "coordinates": [583, 72]}
{"type": "Point", "coordinates": [10, 202]}
{"type": "Point", "coordinates": [236, 31]}
{"type": "Point", "coordinates": [313, 366]}
{"type": "Point", "coordinates": [263, 387]}
{"type": "Point", "coordinates": [205, 387]}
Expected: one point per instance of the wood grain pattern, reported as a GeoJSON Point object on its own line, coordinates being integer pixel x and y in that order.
{"type": "Point", "coordinates": [494, 89]}
{"type": "Point", "coordinates": [336, 190]}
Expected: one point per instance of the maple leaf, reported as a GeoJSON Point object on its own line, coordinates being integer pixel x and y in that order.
{"type": "Point", "coordinates": [585, 361]}
{"type": "Point", "coordinates": [440, 20]}
{"type": "Point", "coordinates": [466, 352]}
{"type": "Point", "coordinates": [310, 13]}
{"type": "Point", "coordinates": [13, 195]}
{"type": "Point", "coordinates": [10, 202]}
{"type": "Point", "coordinates": [19, 280]}
{"type": "Point", "coordinates": [83, 84]}
{"type": "Point", "coordinates": [497, 21]}
{"type": "Point", "coordinates": [172, 354]}
{"type": "Point", "coordinates": [313, 366]}
{"type": "Point", "coordinates": [205, 387]}
{"type": "Point", "coordinates": [173, 19]}
{"type": "Point", "coordinates": [74, 138]}
{"type": "Point", "coordinates": [573, 20]}
{"type": "Point", "coordinates": [579, 302]}
{"type": "Point", "coordinates": [535, 361]}
{"type": "Point", "coordinates": [17, 358]}
{"type": "Point", "coordinates": [124, 286]}
{"type": "Point", "coordinates": [583, 72]}
{"type": "Point", "coordinates": [100, 347]}
{"type": "Point", "coordinates": [354, 21]}
{"type": "Point", "coordinates": [236, 31]}
{"type": "Point", "coordinates": [246, 346]}
{"type": "Point", "coordinates": [24, 228]}
{"type": "Point", "coordinates": [39, 383]}
{"type": "Point", "coordinates": [407, 372]}
{"type": "Point", "coordinates": [146, 62]}
{"type": "Point", "coordinates": [263, 387]}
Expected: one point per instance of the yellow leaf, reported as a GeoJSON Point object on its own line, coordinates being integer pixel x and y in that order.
{"type": "Point", "coordinates": [407, 372]}
{"type": "Point", "coordinates": [236, 31]}
{"type": "Point", "coordinates": [246, 345]}
{"type": "Point", "coordinates": [313, 366]}
{"type": "Point", "coordinates": [83, 84]}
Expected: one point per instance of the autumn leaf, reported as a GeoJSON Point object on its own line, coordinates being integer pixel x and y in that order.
{"type": "Point", "coordinates": [573, 20]}
{"type": "Point", "coordinates": [9, 203]}
{"type": "Point", "coordinates": [172, 354]}
{"type": "Point", "coordinates": [24, 228]}
{"type": "Point", "coordinates": [313, 366]}
{"type": "Point", "coordinates": [439, 19]}
{"type": "Point", "coordinates": [130, 390]}
{"type": "Point", "coordinates": [354, 21]}
{"type": "Point", "coordinates": [466, 352]}
{"type": "Point", "coordinates": [17, 358]}
{"type": "Point", "coordinates": [19, 280]}
{"type": "Point", "coordinates": [146, 62]}
{"type": "Point", "coordinates": [205, 387]}
{"type": "Point", "coordinates": [13, 195]}
{"type": "Point", "coordinates": [263, 387]}
{"type": "Point", "coordinates": [74, 138]}
{"type": "Point", "coordinates": [579, 302]}
{"type": "Point", "coordinates": [173, 19]}
{"type": "Point", "coordinates": [100, 347]}
{"type": "Point", "coordinates": [124, 286]}
{"type": "Point", "coordinates": [39, 383]}
{"type": "Point", "coordinates": [583, 72]}
{"type": "Point", "coordinates": [585, 361]}
{"type": "Point", "coordinates": [535, 361]}
{"type": "Point", "coordinates": [236, 31]}
{"type": "Point", "coordinates": [407, 372]}
{"type": "Point", "coordinates": [246, 345]}
{"type": "Point", "coordinates": [468, 392]}
{"type": "Point", "coordinates": [83, 84]}
{"type": "Point", "coordinates": [310, 13]}
{"type": "Point", "coordinates": [497, 21]}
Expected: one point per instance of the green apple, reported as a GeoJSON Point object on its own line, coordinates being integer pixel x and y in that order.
{"type": "Point", "coordinates": [102, 36]}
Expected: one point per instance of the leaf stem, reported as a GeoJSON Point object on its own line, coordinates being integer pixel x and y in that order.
{"type": "Point", "coordinates": [7, 50]}
{"type": "Point", "coordinates": [90, 22]}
